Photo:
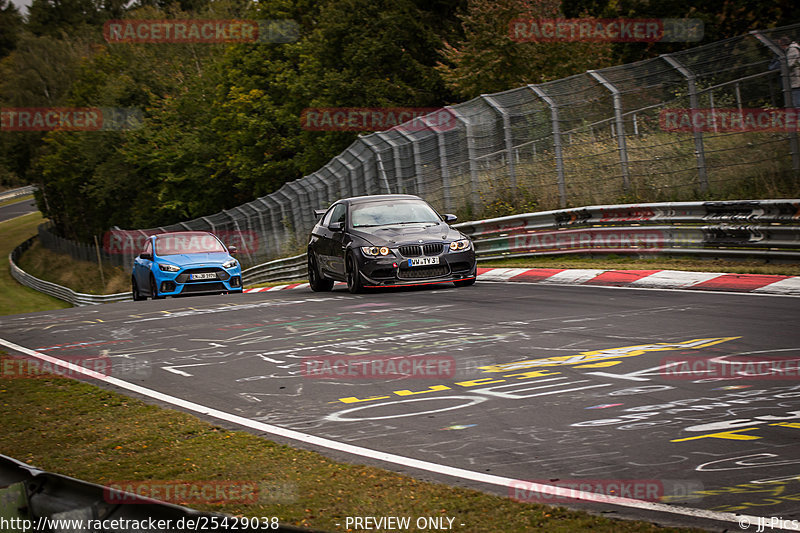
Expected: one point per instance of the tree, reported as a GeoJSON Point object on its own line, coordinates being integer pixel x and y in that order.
{"type": "Point", "coordinates": [722, 19]}
{"type": "Point", "coordinates": [10, 27]}
{"type": "Point", "coordinates": [489, 60]}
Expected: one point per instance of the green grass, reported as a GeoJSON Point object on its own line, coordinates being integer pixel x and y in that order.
{"type": "Point", "coordinates": [100, 436]}
{"type": "Point", "coordinates": [16, 298]}
{"type": "Point", "coordinates": [15, 200]}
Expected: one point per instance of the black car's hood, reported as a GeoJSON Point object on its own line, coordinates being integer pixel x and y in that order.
{"type": "Point", "coordinates": [396, 235]}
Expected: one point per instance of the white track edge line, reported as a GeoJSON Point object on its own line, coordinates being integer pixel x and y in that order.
{"type": "Point", "coordinates": [389, 457]}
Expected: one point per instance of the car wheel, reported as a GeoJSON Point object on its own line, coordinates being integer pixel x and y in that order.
{"type": "Point", "coordinates": [154, 289]}
{"type": "Point", "coordinates": [317, 281]}
{"type": "Point", "coordinates": [354, 283]}
{"type": "Point", "coordinates": [137, 296]}
{"type": "Point", "coordinates": [464, 282]}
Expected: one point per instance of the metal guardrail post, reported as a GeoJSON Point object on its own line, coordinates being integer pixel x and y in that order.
{"type": "Point", "coordinates": [509, 142]}
{"type": "Point", "coordinates": [621, 143]}
{"type": "Point", "coordinates": [693, 103]}
{"type": "Point", "coordinates": [787, 94]}
{"type": "Point", "coordinates": [471, 156]}
{"type": "Point", "coordinates": [562, 187]}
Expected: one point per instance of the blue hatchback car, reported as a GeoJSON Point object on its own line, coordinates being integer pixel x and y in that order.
{"type": "Point", "coordinates": [183, 263]}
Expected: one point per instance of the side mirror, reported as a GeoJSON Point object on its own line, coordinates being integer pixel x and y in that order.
{"type": "Point", "coordinates": [336, 226]}
{"type": "Point", "coordinates": [145, 255]}
{"type": "Point", "coordinates": [450, 218]}
{"type": "Point", "coordinates": [233, 250]}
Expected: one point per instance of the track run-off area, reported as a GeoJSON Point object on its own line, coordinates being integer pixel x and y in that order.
{"type": "Point", "coordinates": [676, 406]}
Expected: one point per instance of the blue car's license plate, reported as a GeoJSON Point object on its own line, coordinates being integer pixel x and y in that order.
{"type": "Point", "coordinates": [203, 275]}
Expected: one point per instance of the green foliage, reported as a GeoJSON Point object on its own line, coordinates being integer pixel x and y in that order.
{"type": "Point", "coordinates": [10, 27]}
{"type": "Point", "coordinates": [488, 59]}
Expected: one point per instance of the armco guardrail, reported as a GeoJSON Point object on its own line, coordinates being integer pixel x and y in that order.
{"type": "Point", "coordinates": [768, 229]}
{"type": "Point", "coordinates": [34, 500]}
{"type": "Point", "coordinates": [17, 193]}
{"type": "Point", "coordinates": [760, 228]}
{"type": "Point", "coordinates": [53, 289]}
{"type": "Point", "coordinates": [289, 268]}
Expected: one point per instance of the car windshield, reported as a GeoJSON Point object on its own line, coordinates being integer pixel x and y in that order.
{"type": "Point", "coordinates": [187, 243]}
{"type": "Point", "coordinates": [392, 212]}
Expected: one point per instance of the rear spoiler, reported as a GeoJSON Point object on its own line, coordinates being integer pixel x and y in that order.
{"type": "Point", "coordinates": [319, 212]}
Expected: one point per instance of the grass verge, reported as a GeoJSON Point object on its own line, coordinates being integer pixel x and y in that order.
{"type": "Point", "coordinates": [83, 431]}
{"type": "Point", "coordinates": [16, 298]}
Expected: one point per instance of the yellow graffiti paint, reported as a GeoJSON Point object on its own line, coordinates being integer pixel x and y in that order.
{"type": "Point", "coordinates": [727, 435]}
{"type": "Point", "coordinates": [600, 356]}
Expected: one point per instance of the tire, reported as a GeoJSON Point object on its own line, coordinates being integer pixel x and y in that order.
{"type": "Point", "coordinates": [354, 283]}
{"type": "Point", "coordinates": [154, 289]}
{"type": "Point", "coordinates": [464, 282]}
{"type": "Point", "coordinates": [137, 296]}
{"type": "Point", "coordinates": [317, 281]}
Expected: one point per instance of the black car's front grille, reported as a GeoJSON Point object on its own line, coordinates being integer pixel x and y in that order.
{"type": "Point", "coordinates": [416, 250]}
{"type": "Point", "coordinates": [423, 272]}
{"type": "Point", "coordinates": [184, 276]}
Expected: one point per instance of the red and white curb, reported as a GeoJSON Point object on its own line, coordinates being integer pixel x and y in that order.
{"type": "Point", "coordinates": [647, 279]}
{"type": "Point", "coordinates": [658, 279]}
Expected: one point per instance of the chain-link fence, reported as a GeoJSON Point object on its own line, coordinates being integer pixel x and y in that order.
{"type": "Point", "coordinates": [599, 137]}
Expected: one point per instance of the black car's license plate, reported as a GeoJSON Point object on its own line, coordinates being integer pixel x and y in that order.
{"type": "Point", "coordinates": [203, 275]}
{"type": "Point", "coordinates": [423, 261]}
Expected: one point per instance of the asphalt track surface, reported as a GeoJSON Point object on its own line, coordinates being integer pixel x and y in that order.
{"type": "Point", "coordinates": [649, 398]}
{"type": "Point", "coordinates": [7, 212]}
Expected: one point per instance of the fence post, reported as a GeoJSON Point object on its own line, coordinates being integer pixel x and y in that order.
{"type": "Point", "coordinates": [473, 162]}
{"type": "Point", "coordinates": [621, 143]}
{"type": "Point", "coordinates": [509, 142]}
{"type": "Point", "coordinates": [381, 169]}
{"type": "Point", "coordinates": [787, 95]}
{"type": "Point", "coordinates": [400, 187]}
{"type": "Point", "coordinates": [562, 187]}
{"type": "Point", "coordinates": [417, 159]}
{"type": "Point", "coordinates": [700, 153]}
{"type": "Point", "coordinates": [443, 166]}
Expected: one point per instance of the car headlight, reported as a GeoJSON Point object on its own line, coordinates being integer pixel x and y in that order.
{"type": "Point", "coordinates": [374, 250]}
{"type": "Point", "coordinates": [168, 268]}
{"type": "Point", "coordinates": [230, 263]}
{"type": "Point", "coordinates": [460, 246]}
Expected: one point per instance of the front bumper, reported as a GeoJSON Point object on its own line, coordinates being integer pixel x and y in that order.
{"type": "Point", "coordinates": [181, 283]}
{"type": "Point", "coordinates": [394, 270]}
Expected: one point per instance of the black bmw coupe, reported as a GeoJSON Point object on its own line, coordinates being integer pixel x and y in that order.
{"type": "Point", "coordinates": [387, 241]}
